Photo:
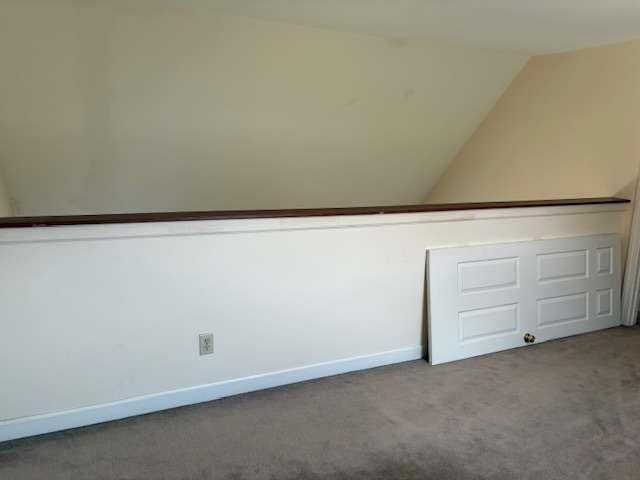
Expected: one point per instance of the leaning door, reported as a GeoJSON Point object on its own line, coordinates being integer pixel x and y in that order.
{"type": "Point", "coordinates": [488, 298]}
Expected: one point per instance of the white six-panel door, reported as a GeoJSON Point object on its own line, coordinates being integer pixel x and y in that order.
{"type": "Point", "coordinates": [484, 299]}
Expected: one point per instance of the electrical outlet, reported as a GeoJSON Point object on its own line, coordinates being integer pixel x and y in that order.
{"type": "Point", "coordinates": [205, 342]}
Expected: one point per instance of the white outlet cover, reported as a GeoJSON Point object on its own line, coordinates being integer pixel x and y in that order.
{"type": "Point", "coordinates": [205, 343]}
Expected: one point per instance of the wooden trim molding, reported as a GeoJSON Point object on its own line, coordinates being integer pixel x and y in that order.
{"type": "Point", "coordinates": [54, 221]}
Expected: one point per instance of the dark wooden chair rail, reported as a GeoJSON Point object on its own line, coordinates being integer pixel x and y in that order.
{"type": "Point", "coordinates": [53, 221]}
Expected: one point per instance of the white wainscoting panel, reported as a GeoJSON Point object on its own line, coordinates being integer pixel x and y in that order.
{"type": "Point", "coordinates": [120, 307]}
{"type": "Point", "coordinates": [485, 298]}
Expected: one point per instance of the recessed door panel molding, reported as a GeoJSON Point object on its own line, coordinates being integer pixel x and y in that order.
{"type": "Point", "coordinates": [488, 322]}
{"type": "Point", "coordinates": [562, 266]}
{"type": "Point", "coordinates": [487, 298]}
{"type": "Point", "coordinates": [493, 274]}
{"type": "Point", "coordinates": [563, 309]}
{"type": "Point", "coordinates": [604, 263]}
{"type": "Point", "coordinates": [604, 302]}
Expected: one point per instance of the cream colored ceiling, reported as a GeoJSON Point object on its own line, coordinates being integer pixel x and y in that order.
{"type": "Point", "coordinates": [528, 26]}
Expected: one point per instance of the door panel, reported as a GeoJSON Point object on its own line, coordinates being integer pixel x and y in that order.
{"type": "Point", "coordinates": [581, 304]}
{"type": "Point", "coordinates": [484, 299]}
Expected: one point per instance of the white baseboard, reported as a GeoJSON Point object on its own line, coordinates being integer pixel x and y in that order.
{"type": "Point", "coordinates": [79, 417]}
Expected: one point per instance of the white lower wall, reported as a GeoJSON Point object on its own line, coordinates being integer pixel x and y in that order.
{"type": "Point", "coordinates": [93, 316]}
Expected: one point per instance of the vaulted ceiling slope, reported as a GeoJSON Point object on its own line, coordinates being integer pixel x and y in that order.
{"type": "Point", "coordinates": [566, 127]}
{"type": "Point", "coordinates": [105, 107]}
{"type": "Point", "coordinates": [528, 26]}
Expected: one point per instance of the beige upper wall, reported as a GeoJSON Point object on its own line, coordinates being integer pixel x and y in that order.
{"type": "Point", "coordinates": [5, 202]}
{"type": "Point", "coordinates": [566, 127]}
{"type": "Point", "coordinates": [106, 107]}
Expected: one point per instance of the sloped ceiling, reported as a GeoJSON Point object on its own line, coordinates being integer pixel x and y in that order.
{"type": "Point", "coordinates": [528, 26]}
{"type": "Point", "coordinates": [566, 127]}
{"type": "Point", "coordinates": [105, 107]}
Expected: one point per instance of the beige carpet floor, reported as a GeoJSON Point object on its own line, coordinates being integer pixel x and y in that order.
{"type": "Point", "coordinates": [568, 409]}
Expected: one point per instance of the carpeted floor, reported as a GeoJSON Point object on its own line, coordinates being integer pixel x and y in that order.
{"type": "Point", "coordinates": [568, 409]}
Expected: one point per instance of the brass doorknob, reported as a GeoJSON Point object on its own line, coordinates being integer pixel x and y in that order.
{"type": "Point", "coordinates": [528, 338]}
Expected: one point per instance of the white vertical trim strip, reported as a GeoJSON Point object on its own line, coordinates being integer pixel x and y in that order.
{"type": "Point", "coordinates": [631, 283]}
